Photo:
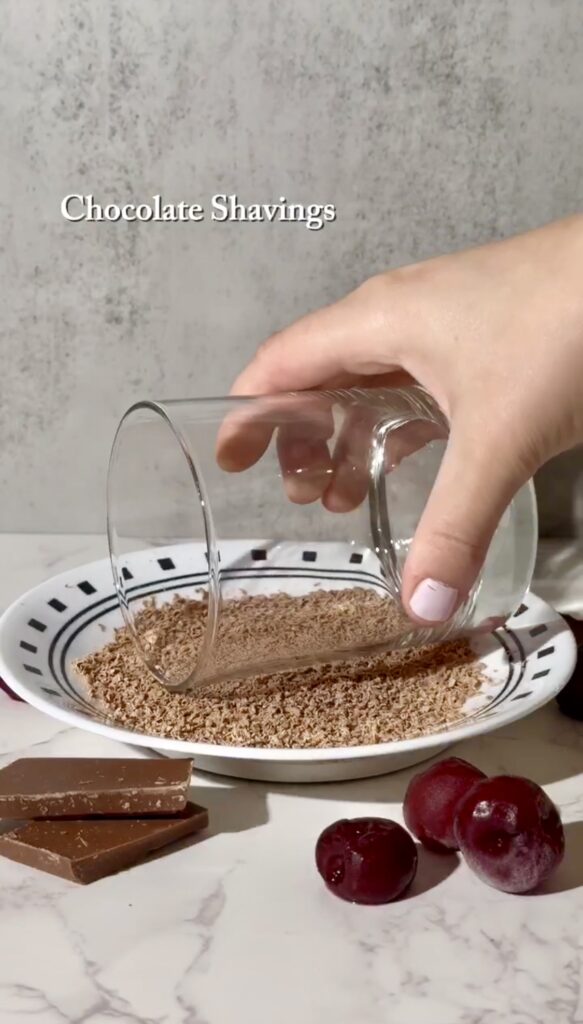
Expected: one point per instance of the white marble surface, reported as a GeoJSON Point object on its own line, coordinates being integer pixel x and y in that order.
{"type": "Point", "coordinates": [237, 928]}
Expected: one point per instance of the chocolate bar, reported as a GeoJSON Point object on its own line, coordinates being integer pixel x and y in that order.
{"type": "Point", "coordinates": [83, 851]}
{"type": "Point", "coordinates": [76, 787]}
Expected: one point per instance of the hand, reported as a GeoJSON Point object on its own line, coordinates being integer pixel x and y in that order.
{"type": "Point", "coordinates": [495, 334]}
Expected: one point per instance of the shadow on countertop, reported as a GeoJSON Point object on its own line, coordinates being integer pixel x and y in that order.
{"type": "Point", "coordinates": [569, 874]}
{"type": "Point", "coordinates": [233, 808]}
{"type": "Point", "coordinates": [432, 870]}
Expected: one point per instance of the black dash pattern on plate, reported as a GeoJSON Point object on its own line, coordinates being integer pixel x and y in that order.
{"type": "Point", "coordinates": [258, 555]}
{"type": "Point", "coordinates": [57, 605]}
{"type": "Point", "coordinates": [127, 575]}
{"type": "Point", "coordinates": [31, 648]}
{"type": "Point", "coordinates": [356, 558]}
{"type": "Point", "coordinates": [546, 651]}
{"type": "Point", "coordinates": [34, 671]}
{"type": "Point", "coordinates": [309, 556]}
{"type": "Point", "coordinates": [166, 564]}
{"type": "Point", "coordinates": [537, 630]}
{"type": "Point", "coordinates": [540, 675]}
{"type": "Point", "coordinates": [86, 587]}
{"type": "Point", "coordinates": [520, 611]}
{"type": "Point", "coordinates": [35, 624]}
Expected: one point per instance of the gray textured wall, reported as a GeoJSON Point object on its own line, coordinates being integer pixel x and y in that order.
{"type": "Point", "coordinates": [431, 124]}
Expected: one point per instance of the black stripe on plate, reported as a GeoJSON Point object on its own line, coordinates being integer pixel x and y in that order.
{"type": "Point", "coordinates": [503, 694]}
{"type": "Point", "coordinates": [86, 587]}
{"type": "Point", "coordinates": [545, 652]}
{"type": "Point", "coordinates": [34, 671]}
{"type": "Point", "coordinates": [258, 555]}
{"type": "Point", "coordinates": [109, 600]}
{"type": "Point", "coordinates": [35, 624]}
{"type": "Point", "coordinates": [57, 605]}
{"type": "Point", "coordinates": [543, 672]}
{"type": "Point", "coordinates": [487, 712]}
{"type": "Point", "coordinates": [356, 558]}
{"type": "Point", "coordinates": [285, 571]}
{"type": "Point", "coordinates": [521, 696]}
{"type": "Point", "coordinates": [107, 604]}
{"type": "Point", "coordinates": [511, 685]}
{"type": "Point", "coordinates": [127, 575]}
{"type": "Point", "coordinates": [31, 648]}
{"type": "Point", "coordinates": [309, 556]}
{"type": "Point", "coordinates": [521, 655]}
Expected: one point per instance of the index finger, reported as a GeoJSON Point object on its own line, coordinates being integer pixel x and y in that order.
{"type": "Point", "coordinates": [354, 337]}
{"type": "Point", "coordinates": [245, 433]}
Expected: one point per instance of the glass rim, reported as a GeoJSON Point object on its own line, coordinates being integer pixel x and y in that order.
{"type": "Point", "coordinates": [159, 409]}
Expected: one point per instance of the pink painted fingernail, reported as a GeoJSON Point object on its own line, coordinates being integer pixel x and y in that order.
{"type": "Point", "coordinates": [433, 601]}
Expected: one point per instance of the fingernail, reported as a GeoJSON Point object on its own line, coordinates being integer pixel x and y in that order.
{"type": "Point", "coordinates": [433, 601]}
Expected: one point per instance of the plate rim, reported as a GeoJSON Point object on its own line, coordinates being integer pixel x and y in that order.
{"type": "Point", "coordinates": [289, 755]}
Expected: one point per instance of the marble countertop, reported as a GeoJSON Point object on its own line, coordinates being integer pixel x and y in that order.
{"type": "Point", "coordinates": [238, 929]}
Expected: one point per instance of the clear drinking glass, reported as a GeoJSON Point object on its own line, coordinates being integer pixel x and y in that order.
{"type": "Point", "coordinates": [217, 504]}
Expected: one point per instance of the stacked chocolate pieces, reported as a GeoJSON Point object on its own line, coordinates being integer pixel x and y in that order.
{"type": "Point", "coordinates": [86, 818]}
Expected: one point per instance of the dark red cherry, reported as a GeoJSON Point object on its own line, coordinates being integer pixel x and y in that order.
{"type": "Point", "coordinates": [510, 833]}
{"type": "Point", "coordinates": [366, 860]}
{"type": "Point", "coordinates": [431, 800]}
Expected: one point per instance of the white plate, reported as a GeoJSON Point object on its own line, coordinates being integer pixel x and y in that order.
{"type": "Point", "coordinates": [526, 663]}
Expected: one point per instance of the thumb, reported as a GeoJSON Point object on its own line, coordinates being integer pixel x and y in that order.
{"type": "Point", "coordinates": [475, 484]}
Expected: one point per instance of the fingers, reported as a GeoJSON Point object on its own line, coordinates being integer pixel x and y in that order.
{"type": "Point", "coordinates": [474, 485]}
{"type": "Point", "coordinates": [348, 485]}
{"type": "Point", "coordinates": [305, 462]}
{"type": "Point", "coordinates": [302, 423]}
{"type": "Point", "coordinates": [243, 438]}
{"type": "Point", "coordinates": [409, 438]}
{"type": "Point", "coordinates": [302, 447]}
{"type": "Point", "coordinates": [350, 338]}
{"type": "Point", "coordinates": [342, 345]}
